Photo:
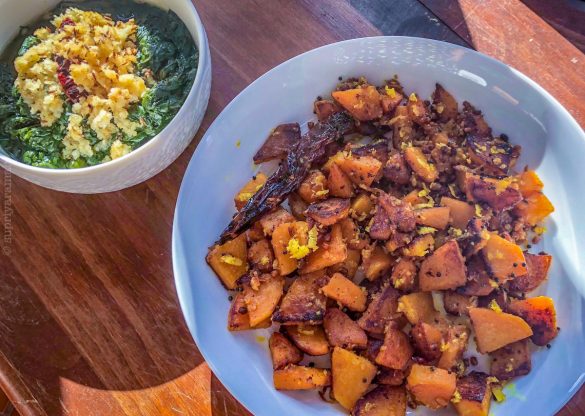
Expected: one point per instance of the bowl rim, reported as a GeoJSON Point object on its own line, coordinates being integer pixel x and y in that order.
{"type": "Point", "coordinates": [202, 48]}
{"type": "Point", "coordinates": [179, 269]}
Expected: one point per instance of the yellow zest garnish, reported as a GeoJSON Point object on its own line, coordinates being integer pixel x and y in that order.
{"type": "Point", "coordinates": [440, 107]}
{"type": "Point", "coordinates": [259, 187]}
{"type": "Point", "coordinates": [238, 143]}
{"type": "Point", "coordinates": [313, 235]}
{"type": "Point", "coordinates": [244, 196]}
{"type": "Point", "coordinates": [264, 260]}
{"type": "Point", "coordinates": [296, 250]}
{"type": "Point", "coordinates": [503, 184]}
{"type": "Point", "coordinates": [494, 284]}
{"type": "Point", "coordinates": [478, 210]}
{"type": "Point", "coordinates": [322, 192]}
{"type": "Point", "coordinates": [426, 230]}
{"type": "Point", "coordinates": [424, 205]}
{"type": "Point", "coordinates": [412, 97]}
{"type": "Point", "coordinates": [423, 192]}
{"type": "Point", "coordinates": [494, 306]}
{"type": "Point", "coordinates": [498, 393]}
{"type": "Point", "coordinates": [540, 230]}
{"type": "Point", "coordinates": [260, 339]}
{"type": "Point", "coordinates": [404, 145]}
{"type": "Point", "coordinates": [444, 347]}
{"type": "Point", "coordinates": [456, 397]}
{"type": "Point", "coordinates": [452, 190]}
{"type": "Point", "coordinates": [231, 260]}
{"type": "Point", "coordinates": [391, 92]}
{"type": "Point", "coordinates": [456, 232]}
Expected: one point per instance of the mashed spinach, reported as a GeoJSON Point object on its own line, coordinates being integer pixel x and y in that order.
{"type": "Point", "coordinates": [166, 57]}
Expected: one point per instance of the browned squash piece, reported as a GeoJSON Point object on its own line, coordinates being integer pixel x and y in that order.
{"type": "Point", "coordinates": [457, 304]}
{"type": "Point", "coordinates": [329, 211]}
{"type": "Point", "coordinates": [396, 169]}
{"type": "Point", "coordinates": [349, 266]}
{"type": "Point", "coordinates": [376, 262]}
{"type": "Point", "coordinates": [494, 156]}
{"type": "Point", "coordinates": [534, 208]}
{"type": "Point", "coordinates": [382, 401]}
{"type": "Point", "coordinates": [427, 341]}
{"type": "Point", "coordinates": [396, 351]}
{"type": "Point", "coordinates": [420, 165]}
{"type": "Point", "coordinates": [309, 338]}
{"type": "Point", "coordinates": [503, 258]}
{"type": "Point", "coordinates": [325, 108]}
{"type": "Point", "coordinates": [391, 100]}
{"type": "Point", "coordinates": [401, 214]}
{"type": "Point", "coordinates": [476, 395]}
{"type": "Point", "coordinates": [420, 246]}
{"type": "Point", "coordinates": [314, 187]}
{"type": "Point", "coordinates": [500, 194]}
{"type": "Point", "coordinates": [495, 330]}
{"type": "Point", "coordinates": [478, 279]}
{"type": "Point", "coordinates": [296, 377]}
{"type": "Point", "coordinates": [297, 206]}
{"type": "Point", "coordinates": [328, 254]}
{"type": "Point", "coordinates": [381, 311]}
{"type": "Point", "coordinates": [529, 183]}
{"type": "Point", "coordinates": [456, 339]}
{"type": "Point", "coordinates": [437, 217]}
{"type": "Point", "coordinates": [362, 103]}
{"type": "Point", "coordinates": [540, 314]}
{"type": "Point", "coordinates": [282, 351]}
{"type": "Point", "coordinates": [511, 361]}
{"type": "Point", "coordinates": [346, 292]}
{"type": "Point", "coordinates": [352, 376]}
{"type": "Point", "coordinates": [402, 128]}
{"type": "Point", "coordinates": [404, 275]}
{"type": "Point", "coordinates": [238, 319]}
{"type": "Point", "coordinates": [398, 240]}
{"type": "Point", "coordinates": [342, 332]}
{"type": "Point", "coordinates": [361, 170]}
{"type": "Point", "coordinates": [431, 386]}
{"type": "Point", "coordinates": [262, 302]}
{"type": "Point", "coordinates": [280, 141]}
{"type": "Point", "coordinates": [413, 198]}
{"type": "Point", "coordinates": [381, 228]}
{"type": "Point", "coordinates": [390, 377]}
{"type": "Point", "coordinates": [339, 183]}
{"type": "Point", "coordinates": [352, 236]}
{"type": "Point", "coordinates": [229, 260]}
{"type": "Point", "coordinates": [260, 256]}
{"type": "Point", "coordinates": [417, 110]}
{"type": "Point", "coordinates": [475, 237]}
{"type": "Point", "coordinates": [460, 212]}
{"type": "Point", "coordinates": [254, 233]}
{"type": "Point", "coordinates": [445, 104]}
{"type": "Point", "coordinates": [474, 122]}
{"type": "Point", "coordinates": [273, 219]}
{"type": "Point", "coordinates": [417, 307]}
{"type": "Point", "coordinates": [444, 269]}
{"type": "Point", "coordinates": [281, 237]}
{"type": "Point", "coordinates": [537, 266]}
{"type": "Point", "coordinates": [249, 189]}
{"type": "Point", "coordinates": [361, 206]}
{"type": "Point", "coordinates": [303, 303]}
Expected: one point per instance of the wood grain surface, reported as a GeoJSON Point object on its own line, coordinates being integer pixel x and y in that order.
{"type": "Point", "coordinates": [89, 319]}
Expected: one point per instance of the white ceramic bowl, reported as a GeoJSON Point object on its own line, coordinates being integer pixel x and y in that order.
{"type": "Point", "coordinates": [149, 159]}
{"type": "Point", "coordinates": [552, 143]}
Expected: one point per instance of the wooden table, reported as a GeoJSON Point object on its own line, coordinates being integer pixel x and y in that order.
{"type": "Point", "coordinates": [89, 318]}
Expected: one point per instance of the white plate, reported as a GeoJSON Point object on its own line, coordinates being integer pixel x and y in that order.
{"type": "Point", "coordinates": [552, 142]}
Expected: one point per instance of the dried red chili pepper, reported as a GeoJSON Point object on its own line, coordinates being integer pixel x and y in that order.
{"type": "Point", "coordinates": [71, 89]}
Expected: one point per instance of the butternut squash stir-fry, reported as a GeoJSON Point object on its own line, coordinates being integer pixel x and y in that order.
{"type": "Point", "coordinates": [393, 236]}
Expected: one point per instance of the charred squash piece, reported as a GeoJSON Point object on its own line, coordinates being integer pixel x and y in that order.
{"type": "Point", "coordinates": [238, 319]}
{"type": "Point", "coordinates": [494, 156]}
{"type": "Point", "coordinates": [404, 275]}
{"type": "Point", "coordinates": [281, 237]}
{"type": "Point", "coordinates": [352, 236]}
{"type": "Point", "coordinates": [272, 220]}
{"type": "Point", "coordinates": [329, 211]}
{"type": "Point", "coordinates": [537, 266]}
{"type": "Point", "coordinates": [381, 311]}
{"type": "Point", "coordinates": [249, 189]}
{"type": "Point", "coordinates": [444, 269]}
{"type": "Point", "coordinates": [473, 121]}
{"type": "Point", "coordinates": [303, 303]}
{"type": "Point", "coordinates": [529, 183]}
{"type": "Point", "coordinates": [314, 188]}
{"type": "Point", "coordinates": [289, 175]}
{"type": "Point", "coordinates": [389, 377]}
{"type": "Point", "coordinates": [362, 103]}
{"type": "Point", "coordinates": [361, 170]}
{"type": "Point", "coordinates": [298, 206]}
{"type": "Point", "coordinates": [478, 279]}
{"type": "Point", "coordinates": [431, 386]}
{"type": "Point", "coordinates": [309, 338]}
{"type": "Point", "coordinates": [361, 207]}
{"type": "Point", "coordinates": [540, 314]}
{"type": "Point", "coordinates": [495, 330]}
{"type": "Point", "coordinates": [349, 266]}
{"type": "Point", "coordinates": [261, 303]}
{"type": "Point", "coordinates": [445, 104]}
{"type": "Point", "coordinates": [280, 141]}
{"type": "Point", "coordinates": [325, 108]}
{"type": "Point", "coordinates": [381, 227]}
{"type": "Point", "coordinates": [396, 170]}
{"type": "Point", "coordinates": [457, 304]}
{"type": "Point", "coordinates": [282, 351]}
{"type": "Point", "coordinates": [376, 262]}
{"type": "Point", "coordinates": [475, 392]}
{"type": "Point", "coordinates": [427, 341]}
{"type": "Point", "coordinates": [401, 214]}
{"type": "Point", "coordinates": [500, 194]}
{"type": "Point", "coordinates": [229, 261]}
{"type": "Point", "coordinates": [352, 376]}
{"type": "Point", "coordinates": [511, 361]}
{"type": "Point", "coordinates": [260, 256]}
{"type": "Point", "coordinates": [342, 332]}
{"type": "Point", "coordinates": [504, 259]}
{"type": "Point", "coordinates": [382, 401]}
{"type": "Point", "coordinates": [420, 246]}
{"type": "Point", "coordinates": [456, 339]}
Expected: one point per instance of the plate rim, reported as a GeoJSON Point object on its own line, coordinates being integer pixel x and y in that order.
{"type": "Point", "coordinates": [178, 280]}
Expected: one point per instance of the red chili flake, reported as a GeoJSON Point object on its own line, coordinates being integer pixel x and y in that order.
{"type": "Point", "coordinates": [71, 89]}
{"type": "Point", "coordinates": [67, 22]}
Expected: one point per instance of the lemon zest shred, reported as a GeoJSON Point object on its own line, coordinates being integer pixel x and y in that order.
{"type": "Point", "coordinates": [231, 260]}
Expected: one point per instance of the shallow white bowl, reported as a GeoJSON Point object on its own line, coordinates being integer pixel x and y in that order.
{"type": "Point", "coordinates": [552, 143]}
{"type": "Point", "coordinates": [149, 159]}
